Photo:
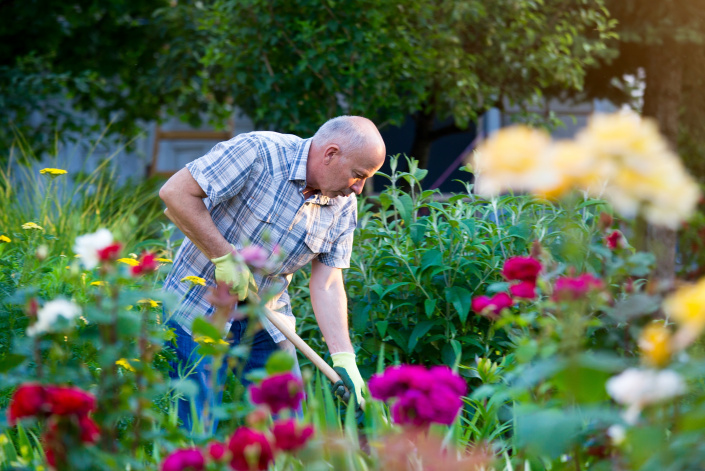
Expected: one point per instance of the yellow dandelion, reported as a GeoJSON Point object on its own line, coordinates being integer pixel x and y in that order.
{"type": "Point", "coordinates": [4, 239]}
{"type": "Point", "coordinates": [194, 280]}
{"type": "Point", "coordinates": [655, 345]}
{"type": "Point", "coordinates": [150, 302]}
{"type": "Point", "coordinates": [98, 283]}
{"type": "Point", "coordinates": [30, 225]}
{"type": "Point", "coordinates": [125, 364]}
{"type": "Point", "coordinates": [204, 339]}
{"type": "Point", "coordinates": [54, 172]}
{"type": "Point", "coordinates": [164, 260]}
{"type": "Point", "coordinates": [129, 261]}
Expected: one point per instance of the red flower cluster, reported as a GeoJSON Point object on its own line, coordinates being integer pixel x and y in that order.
{"type": "Point", "coordinates": [250, 450]}
{"type": "Point", "coordinates": [148, 264]}
{"type": "Point", "coordinates": [278, 392]}
{"type": "Point", "coordinates": [31, 399]}
{"type": "Point", "coordinates": [574, 288]}
{"type": "Point", "coordinates": [424, 396]}
{"type": "Point", "coordinates": [62, 406]}
{"type": "Point", "coordinates": [524, 271]}
{"type": "Point", "coordinates": [190, 459]}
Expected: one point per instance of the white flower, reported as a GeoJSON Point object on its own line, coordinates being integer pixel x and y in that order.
{"type": "Point", "coordinates": [49, 314]}
{"type": "Point", "coordinates": [637, 388]}
{"type": "Point", "coordinates": [88, 245]}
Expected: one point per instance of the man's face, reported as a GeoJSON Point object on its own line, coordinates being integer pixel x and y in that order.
{"type": "Point", "coordinates": [345, 175]}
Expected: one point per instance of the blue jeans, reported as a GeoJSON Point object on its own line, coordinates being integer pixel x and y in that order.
{"type": "Point", "coordinates": [189, 364]}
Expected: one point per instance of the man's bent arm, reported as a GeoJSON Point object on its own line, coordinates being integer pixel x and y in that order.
{"type": "Point", "coordinates": [183, 197]}
{"type": "Point", "coordinates": [330, 305]}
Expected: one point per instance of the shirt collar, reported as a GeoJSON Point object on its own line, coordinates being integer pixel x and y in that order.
{"type": "Point", "coordinates": [297, 168]}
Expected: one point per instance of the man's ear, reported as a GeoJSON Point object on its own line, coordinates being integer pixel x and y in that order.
{"type": "Point", "coordinates": [331, 152]}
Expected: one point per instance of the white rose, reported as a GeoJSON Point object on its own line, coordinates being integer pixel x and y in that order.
{"type": "Point", "coordinates": [637, 388]}
{"type": "Point", "coordinates": [88, 245]}
{"type": "Point", "coordinates": [49, 314]}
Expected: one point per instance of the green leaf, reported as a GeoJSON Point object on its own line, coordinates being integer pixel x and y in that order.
{"type": "Point", "coordinates": [432, 258]}
{"type": "Point", "coordinates": [461, 300]}
{"type": "Point", "coordinates": [279, 362]}
{"type": "Point", "coordinates": [429, 306]}
{"type": "Point", "coordinates": [382, 327]}
{"type": "Point", "coordinates": [419, 331]}
{"type": "Point", "coordinates": [201, 326]}
{"type": "Point", "coordinates": [405, 206]}
{"type": "Point", "coordinates": [11, 361]}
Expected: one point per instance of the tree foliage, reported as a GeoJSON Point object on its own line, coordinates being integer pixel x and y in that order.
{"type": "Point", "coordinates": [296, 63]}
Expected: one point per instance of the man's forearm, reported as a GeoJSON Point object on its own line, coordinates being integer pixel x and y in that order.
{"type": "Point", "coordinates": [188, 212]}
{"type": "Point", "coordinates": [330, 306]}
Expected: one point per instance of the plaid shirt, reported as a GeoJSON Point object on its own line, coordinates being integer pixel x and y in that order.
{"type": "Point", "coordinates": [254, 184]}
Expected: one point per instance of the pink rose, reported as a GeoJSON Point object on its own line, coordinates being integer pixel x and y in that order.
{"type": "Point", "coordinates": [288, 436]}
{"type": "Point", "coordinates": [278, 392]}
{"type": "Point", "coordinates": [187, 459]}
{"type": "Point", "coordinates": [217, 450]}
{"type": "Point", "coordinates": [523, 289]}
{"type": "Point", "coordinates": [250, 449]}
{"type": "Point", "coordinates": [521, 269]}
{"type": "Point", "coordinates": [148, 263]}
{"type": "Point", "coordinates": [574, 288]}
{"type": "Point", "coordinates": [491, 307]}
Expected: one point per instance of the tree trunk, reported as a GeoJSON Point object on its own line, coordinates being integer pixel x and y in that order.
{"type": "Point", "coordinates": [421, 147]}
{"type": "Point", "coordinates": [664, 74]}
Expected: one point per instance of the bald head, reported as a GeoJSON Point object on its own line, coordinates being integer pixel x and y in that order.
{"type": "Point", "coordinates": [344, 153]}
{"type": "Point", "coordinates": [356, 136]}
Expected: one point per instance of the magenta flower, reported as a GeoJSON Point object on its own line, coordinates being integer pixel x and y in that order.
{"type": "Point", "coordinates": [250, 450]}
{"type": "Point", "coordinates": [491, 307]}
{"type": "Point", "coordinates": [615, 240]}
{"type": "Point", "coordinates": [217, 450]}
{"type": "Point", "coordinates": [254, 255]}
{"type": "Point", "coordinates": [188, 459]}
{"type": "Point", "coordinates": [574, 288]}
{"type": "Point", "coordinates": [278, 392]}
{"type": "Point", "coordinates": [424, 396]}
{"type": "Point", "coordinates": [288, 436]}
{"type": "Point", "coordinates": [521, 269]}
{"type": "Point", "coordinates": [523, 289]}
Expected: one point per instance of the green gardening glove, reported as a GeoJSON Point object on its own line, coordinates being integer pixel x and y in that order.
{"type": "Point", "coordinates": [236, 274]}
{"type": "Point", "coordinates": [344, 364]}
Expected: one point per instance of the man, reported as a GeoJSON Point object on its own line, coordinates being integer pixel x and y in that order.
{"type": "Point", "coordinates": [271, 190]}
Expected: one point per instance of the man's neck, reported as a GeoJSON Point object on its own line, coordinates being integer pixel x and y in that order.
{"type": "Point", "coordinates": [309, 192]}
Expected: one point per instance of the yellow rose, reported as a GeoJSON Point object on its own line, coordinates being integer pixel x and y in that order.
{"type": "Point", "coordinates": [655, 345]}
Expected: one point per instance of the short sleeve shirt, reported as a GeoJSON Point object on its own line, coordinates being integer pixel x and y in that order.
{"type": "Point", "coordinates": [254, 184]}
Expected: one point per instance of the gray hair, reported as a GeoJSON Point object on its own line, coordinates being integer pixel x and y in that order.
{"type": "Point", "coordinates": [354, 137]}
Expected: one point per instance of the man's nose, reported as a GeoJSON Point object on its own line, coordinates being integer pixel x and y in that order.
{"type": "Point", "coordinates": [358, 186]}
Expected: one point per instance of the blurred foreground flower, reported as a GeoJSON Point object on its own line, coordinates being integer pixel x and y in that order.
{"type": "Point", "coordinates": [4, 239]}
{"type": "Point", "coordinates": [521, 269]}
{"type": "Point", "coordinates": [621, 156]}
{"type": "Point", "coordinates": [187, 459]}
{"type": "Point", "coordinates": [574, 288]}
{"type": "Point", "coordinates": [90, 246]}
{"type": "Point", "coordinates": [251, 450]}
{"type": "Point", "coordinates": [146, 264]}
{"type": "Point", "coordinates": [54, 172]}
{"type": "Point", "coordinates": [423, 396]}
{"type": "Point", "coordinates": [129, 261]}
{"type": "Point", "coordinates": [638, 388]}
{"type": "Point", "coordinates": [491, 307]}
{"type": "Point", "coordinates": [687, 307]}
{"type": "Point", "coordinates": [48, 316]}
{"type": "Point", "coordinates": [278, 392]}
{"type": "Point", "coordinates": [655, 345]}
{"type": "Point", "coordinates": [289, 436]}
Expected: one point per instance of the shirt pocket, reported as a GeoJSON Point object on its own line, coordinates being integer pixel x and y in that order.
{"type": "Point", "coordinates": [260, 200]}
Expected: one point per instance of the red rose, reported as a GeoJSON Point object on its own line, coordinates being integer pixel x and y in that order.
{"type": "Point", "coordinates": [89, 429]}
{"type": "Point", "coordinates": [521, 269]}
{"type": "Point", "coordinates": [217, 450]}
{"type": "Point", "coordinates": [68, 400]}
{"type": "Point", "coordinates": [29, 399]}
{"type": "Point", "coordinates": [288, 436]}
{"type": "Point", "coordinates": [147, 264]}
{"type": "Point", "coordinates": [615, 240]}
{"type": "Point", "coordinates": [109, 253]}
{"type": "Point", "coordinates": [523, 289]}
{"type": "Point", "coordinates": [188, 459]}
{"type": "Point", "coordinates": [279, 392]}
{"type": "Point", "coordinates": [251, 450]}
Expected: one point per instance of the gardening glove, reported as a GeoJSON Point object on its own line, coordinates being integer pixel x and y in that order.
{"type": "Point", "coordinates": [234, 273]}
{"type": "Point", "coordinates": [344, 364]}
